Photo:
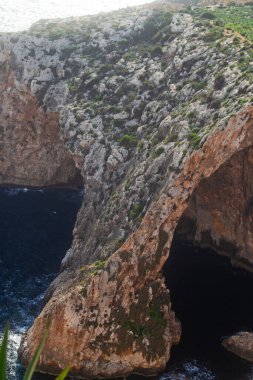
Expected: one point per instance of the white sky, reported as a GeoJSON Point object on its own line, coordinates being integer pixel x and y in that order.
{"type": "Point", "coordinates": [18, 15]}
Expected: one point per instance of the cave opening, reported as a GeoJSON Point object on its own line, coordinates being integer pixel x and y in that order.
{"type": "Point", "coordinates": [209, 273]}
{"type": "Point", "coordinates": [212, 299]}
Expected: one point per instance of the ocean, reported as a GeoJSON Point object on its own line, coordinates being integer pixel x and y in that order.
{"type": "Point", "coordinates": [35, 233]}
{"type": "Point", "coordinates": [18, 15]}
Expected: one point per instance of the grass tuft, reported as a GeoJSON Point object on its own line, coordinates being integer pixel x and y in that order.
{"type": "Point", "coordinates": [33, 364]}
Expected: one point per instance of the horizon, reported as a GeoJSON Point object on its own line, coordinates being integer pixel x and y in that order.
{"type": "Point", "coordinates": [19, 15]}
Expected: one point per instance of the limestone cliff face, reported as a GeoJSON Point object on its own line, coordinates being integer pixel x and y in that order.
{"type": "Point", "coordinates": [117, 314]}
{"type": "Point", "coordinates": [154, 108]}
{"type": "Point", "coordinates": [31, 149]}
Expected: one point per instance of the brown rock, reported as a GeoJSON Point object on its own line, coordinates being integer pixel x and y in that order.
{"type": "Point", "coordinates": [31, 149]}
{"type": "Point", "coordinates": [241, 344]}
{"type": "Point", "coordinates": [119, 320]}
{"type": "Point", "coordinates": [114, 317]}
{"type": "Point", "coordinates": [220, 211]}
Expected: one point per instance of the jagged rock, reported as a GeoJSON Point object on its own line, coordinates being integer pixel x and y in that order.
{"type": "Point", "coordinates": [241, 344]}
{"type": "Point", "coordinates": [180, 22]}
{"type": "Point", "coordinates": [141, 102]}
{"type": "Point", "coordinates": [128, 285]}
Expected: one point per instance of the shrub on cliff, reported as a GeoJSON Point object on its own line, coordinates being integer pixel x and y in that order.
{"type": "Point", "coordinates": [219, 82]}
{"type": "Point", "coordinates": [128, 140]}
{"type": "Point", "coordinates": [155, 51]}
{"type": "Point", "coordinates": [208, 15]}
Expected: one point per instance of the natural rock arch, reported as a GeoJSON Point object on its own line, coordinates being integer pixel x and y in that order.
{"type": "Point", "coordinates": [219, 215]}
{"type": "Point", "coordinates": [101, 320]}
{"type": "Point", "coordinates": [217, 222]}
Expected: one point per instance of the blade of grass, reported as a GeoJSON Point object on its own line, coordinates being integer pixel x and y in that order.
{"type": "Point", "coordinates": [32, 366]}
{"type": "Point", "coordinates": [3, 353]}
{"type": "Point", "coordinates": [64, 373]}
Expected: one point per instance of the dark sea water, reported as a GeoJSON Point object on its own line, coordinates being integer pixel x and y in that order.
{"type": "Point", "coordinates": [35, 233]}
{"type": "Point", "coordinates": [211, 298]}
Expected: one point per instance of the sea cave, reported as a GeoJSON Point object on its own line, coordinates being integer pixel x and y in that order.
{"type": "Point", "coordinates": [209, 272]}
{"type": "Point", "coordinates": [150, 110]}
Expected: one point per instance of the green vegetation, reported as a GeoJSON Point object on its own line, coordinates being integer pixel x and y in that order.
{"type": "Point", "coordinates": [236, 41]}
{"type": "Point", "coordinates": [3, 354]}
{"type": "Point", "coordinates": [136, 210]}
{"type": "Point", "coordinates": [42, 67]}
{"type": "Point", "coordinates": [155, 51]}
{"type": "Point", "coordinates": [137, 331]}
{"type": "Point", "coordinates": [155, 28]}
{"type": "Point", "coordinates": [148, 85]}
{"type": "Point", "coordinates": [159, 150]}
{"type": "Point", "coordinates": [237, 18]}
{"type": "Point", "coordinates": [208, 15]}
{"type": "Point", "coordinates": [128, 140]}
{"type": "Point", "coordinates": [32, 366]}
{"type": "Point", "coordinates": [219, 82]}
{"type": "Point", "coordinates": [172, 137]}
{"type": "Point", "coordinates": [198, 85]}
{"type": "Point", "coordinates": [115, 109]}
{"type": "Point", "coordinates": [157, 316]}
{"type": "Point", "coordinates": [94, 268]}
{"type": "Point", "coordinates": [97, 267]}
{"type": "Point", "coordinates": [89, 271]}
{"type": "Point", "coordinates": [66, 52]}
{"type": "Point", "coordinates": [129, 56]}
{"type": "Point", "coordinates": [54, 30]}
{"type": "Point", "coordinates": [194, 139]}
{"type": "Point", "coordinates": [213, 35]}
{"type": "Point", "coordinates": [72, 86]}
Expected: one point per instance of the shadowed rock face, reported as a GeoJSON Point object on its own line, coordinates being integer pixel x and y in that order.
{"type": "Point", "coordinates": [220, 212]}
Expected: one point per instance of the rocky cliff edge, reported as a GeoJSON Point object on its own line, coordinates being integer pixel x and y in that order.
{"type": "Point", "coordinates": [144, 104]}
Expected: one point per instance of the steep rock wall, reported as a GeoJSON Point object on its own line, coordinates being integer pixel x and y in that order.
{"type": "Point", "coordinates": [131, 115]}
{"type": "Point", "coordinates": [31, 149]}
{"type": "Point", "coordinates": [108, 314]}
{"type": "Point", "coordinates": [220, 212]}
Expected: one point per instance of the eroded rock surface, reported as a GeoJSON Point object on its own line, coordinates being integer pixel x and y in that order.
{"type": "Point", "coordinates": [220, 212]}
{"type": "Point", "coordinates": [151, 105]}
{"type": "Point", "coordinates": [241, 344]}
{"type": "Point", "coordinates": [32, 152]}
{"type": "Point", "coordinates": [125, 299]}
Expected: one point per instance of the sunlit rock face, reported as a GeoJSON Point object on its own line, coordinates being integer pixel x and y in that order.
{"type": "Point", "coordinates": [145, 123]}
{"type": "Point", "coordinates": [118, 310]}
{"type": "Point", "coordinates": [31, 149]}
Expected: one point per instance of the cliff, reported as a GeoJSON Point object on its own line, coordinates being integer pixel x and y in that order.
{"type": "Point", "coordinates": [154, 108]}
{"type": "Point", "coordinates": [32, 152]}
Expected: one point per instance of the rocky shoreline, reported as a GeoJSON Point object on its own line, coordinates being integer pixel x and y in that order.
{"type": "Point", "coordinates": [154, 109]}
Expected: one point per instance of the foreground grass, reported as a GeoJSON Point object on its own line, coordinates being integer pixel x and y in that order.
{"type": "Point", "coordinates": [32, 366]}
